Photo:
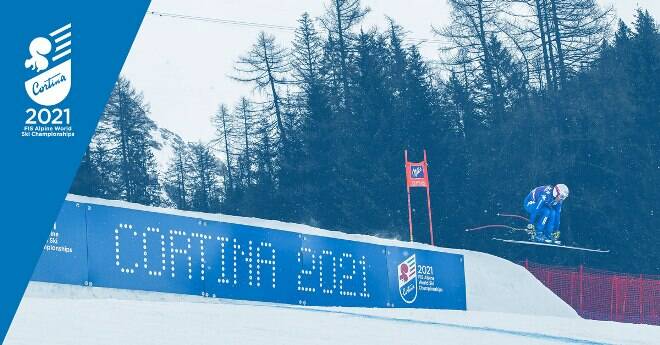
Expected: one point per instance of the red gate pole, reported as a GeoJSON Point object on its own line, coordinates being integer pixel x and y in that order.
{"type": "Point", "coordinates": [428, 198]}
{"type": "Point", "coordinates": [405, 152]}
{"type": "Point", "coordinates": [410, 215]}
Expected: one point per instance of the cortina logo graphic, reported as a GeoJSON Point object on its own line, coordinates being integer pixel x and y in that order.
{"type": "Point", "coordinates": [408, 279]}
{"type": "Point", "coordinates": [51, 58]}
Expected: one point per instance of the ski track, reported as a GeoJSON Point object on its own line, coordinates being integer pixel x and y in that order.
{"type": "Point", "coordinates": [82, 315]}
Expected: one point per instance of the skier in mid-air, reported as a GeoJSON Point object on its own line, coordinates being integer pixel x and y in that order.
{"type": "Point", "coordinates": [544, 207]}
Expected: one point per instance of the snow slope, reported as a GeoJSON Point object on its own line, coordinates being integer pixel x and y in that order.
{"type": "Point", "coordinates": [493, 284]}
{"type": "Point", "coordinates": [506, 305]}
{"type": "Point", "coordinates": [63, 314]}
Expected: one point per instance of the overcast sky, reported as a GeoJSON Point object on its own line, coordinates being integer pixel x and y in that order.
{"type": "Point", "coordinates": [181, 66]}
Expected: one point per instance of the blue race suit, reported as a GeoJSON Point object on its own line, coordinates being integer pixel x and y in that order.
{"type": "Point", "coordinates": [544, 211]}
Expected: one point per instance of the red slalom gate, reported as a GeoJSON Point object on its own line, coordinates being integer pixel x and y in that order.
{"type": "Point", "coordinates": [417, 175]}
{"type": "Point", "coordinates": [603, 295]}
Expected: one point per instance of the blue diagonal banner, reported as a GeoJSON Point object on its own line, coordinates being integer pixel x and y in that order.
{"type": "Point", "coordinates": [58, 63]}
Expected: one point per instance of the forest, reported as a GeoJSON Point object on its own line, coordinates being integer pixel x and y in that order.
{"type": "Point", "coordinates": [522, 93]}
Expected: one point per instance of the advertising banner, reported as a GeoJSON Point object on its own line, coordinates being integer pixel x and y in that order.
{"type": "Point", "coordinates": [425, 279]}
{"type": "Point", "coordinates": [116, 247]}
{"type": "Point", "coordinates": [64, 257]}
{"type": "Point", "coordinates": [250, 263]}
{"type": "Point", "coordinates": [342, 273]}
{"type": "Point", "coordinates": [416, 175]}
{"type": "Point", "coordinates": [131, 249]}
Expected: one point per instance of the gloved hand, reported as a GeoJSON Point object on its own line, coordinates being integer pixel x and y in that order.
{"type": "Point", "coordinates": [530, 229]}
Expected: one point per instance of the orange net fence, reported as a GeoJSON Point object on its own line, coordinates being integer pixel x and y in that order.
{"type": "Point", "coordinates": [603, 295]}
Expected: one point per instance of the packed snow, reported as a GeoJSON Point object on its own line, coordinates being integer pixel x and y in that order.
{"type": "Point", "coordinates": [63, 314]}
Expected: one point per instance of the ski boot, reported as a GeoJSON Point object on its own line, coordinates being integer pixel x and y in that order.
{"type": "Point", "coordinates": [555, 238]}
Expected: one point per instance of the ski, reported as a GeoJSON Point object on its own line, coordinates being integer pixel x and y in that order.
{"type": "Point", "coordinates": [553, 245]}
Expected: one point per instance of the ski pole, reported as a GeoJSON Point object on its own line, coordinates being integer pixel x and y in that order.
{"type": "Point", "coordinates": [513, 216]}
{"type": "Point", "coordinates": [494, 226]}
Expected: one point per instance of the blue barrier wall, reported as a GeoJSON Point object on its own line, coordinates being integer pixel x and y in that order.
{"type": "Point", "coordinates": [130, 249]}
{"type": "Point", "coordinates": [64, 258]}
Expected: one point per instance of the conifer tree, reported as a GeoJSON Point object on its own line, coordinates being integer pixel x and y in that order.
{"type": "Point", "coordinates": [126, 129]}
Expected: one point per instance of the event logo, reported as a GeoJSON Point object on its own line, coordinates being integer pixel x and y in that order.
{"type": "Point", "coordinates": [48, 84]}
{"type": "Point", "coordinates": [50, 57]}
{"type": "Point", "coordinates": [407, 272]}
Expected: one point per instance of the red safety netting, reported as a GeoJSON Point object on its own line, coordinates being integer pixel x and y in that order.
{"type": "Point", "coordinates": [603, 295]}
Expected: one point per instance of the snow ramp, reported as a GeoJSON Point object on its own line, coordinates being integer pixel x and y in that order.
{"type": "Point", "coordinates": [114, 244]}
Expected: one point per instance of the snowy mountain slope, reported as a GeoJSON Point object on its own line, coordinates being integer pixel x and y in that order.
{"type": "Point", "coordinates": [493, 284]}
{"type": "Point", "coordinates": [63, 314]}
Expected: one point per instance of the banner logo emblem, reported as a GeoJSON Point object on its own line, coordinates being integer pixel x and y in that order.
{"type": "Point", "coordinates": [407, 273]}
{"type": "Point", "coordinates": [417, 171]}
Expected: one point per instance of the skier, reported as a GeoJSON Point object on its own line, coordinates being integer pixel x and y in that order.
{"type": "Point", "coordinates": [544, 207]}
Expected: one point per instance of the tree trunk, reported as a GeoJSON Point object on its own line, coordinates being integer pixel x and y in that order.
{"type": "Point", "coordinates": [247, 146]}
{"type": "Point", "coordinates": [276, 98]}
{"type": "Point", "coordinates": [224, 130]}
{"type": "Point", "coordinates": [560, 52]}
{"type": "Point", "coordinates": [553, 66]}
{"type": "Point", "coordinates": [546, 64]}
{"type": "Point", "coordinates": [342, 52]}
{"type": "Point", "coordinates": [124, 143]}
{"type": "Point", "coordinates": [488, 70]}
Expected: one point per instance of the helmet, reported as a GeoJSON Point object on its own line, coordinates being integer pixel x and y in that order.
{"type": "Point", "coordinates": [561, 191]}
